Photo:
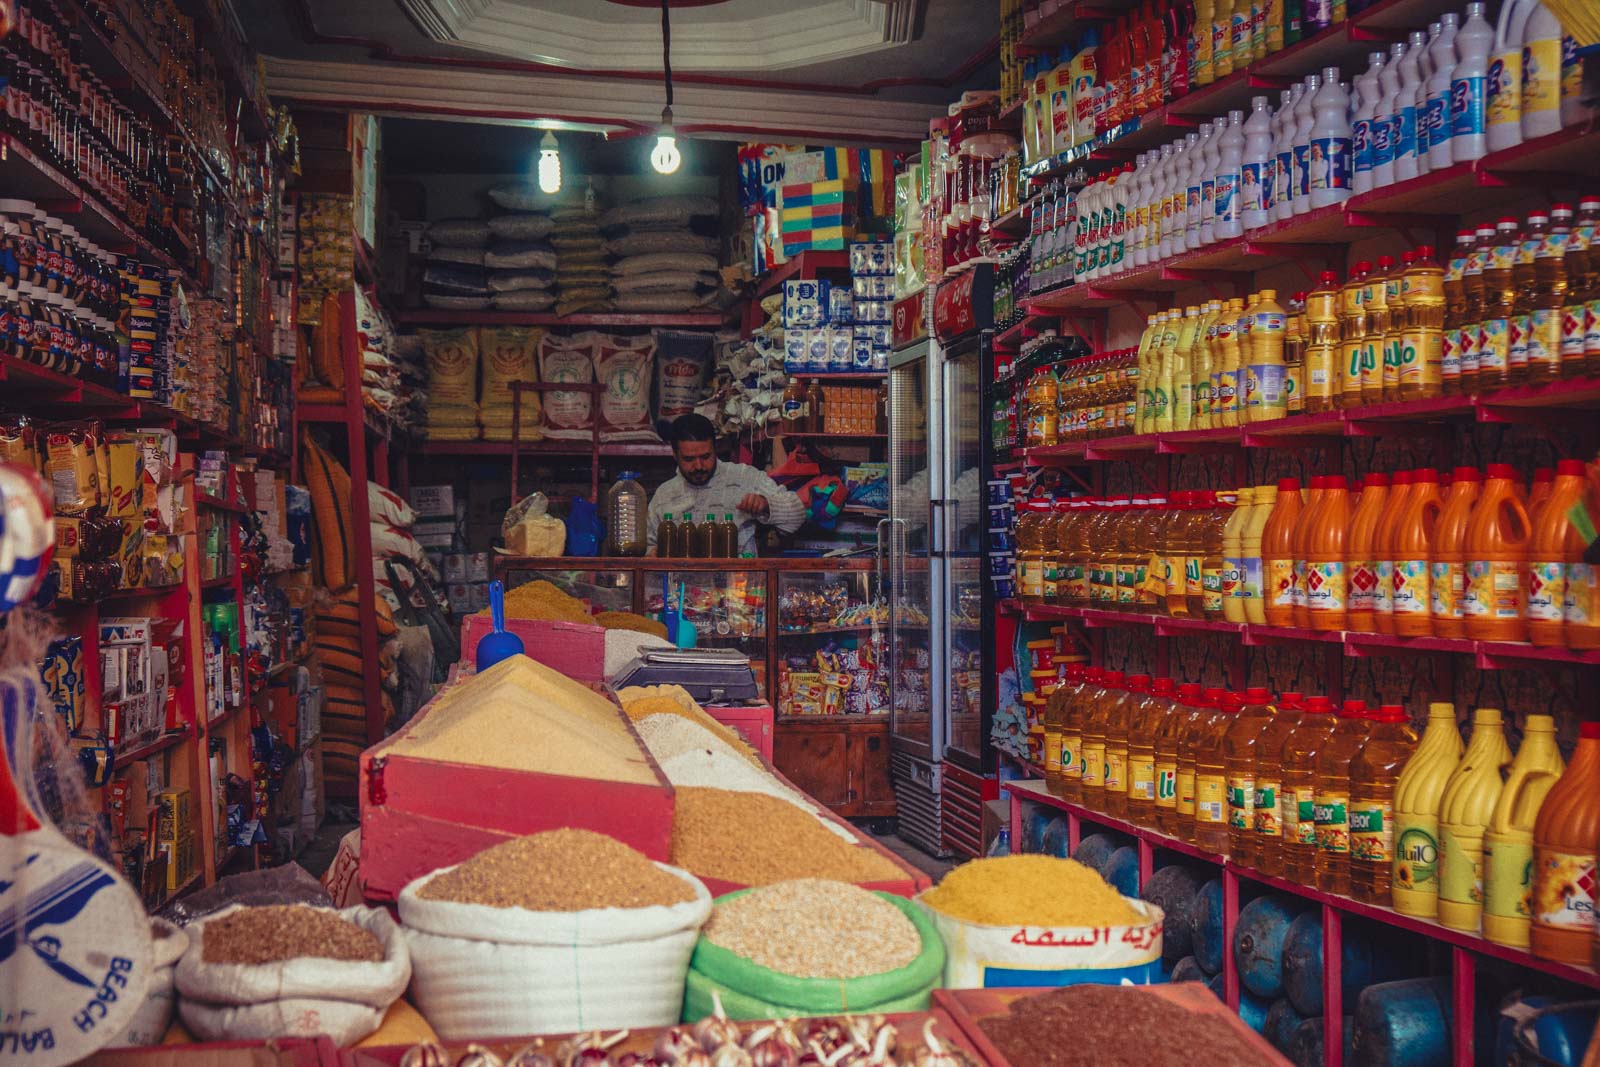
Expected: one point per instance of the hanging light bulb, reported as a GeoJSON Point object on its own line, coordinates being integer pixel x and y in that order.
{"type": "Point", "coordinates": [549, 164]}
{"type": "Point", "coordinates": [666, 157]}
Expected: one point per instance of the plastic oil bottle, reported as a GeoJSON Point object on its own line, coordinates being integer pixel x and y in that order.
{"type": "Point", "coordinates": [1411, 548]}
{"type": "Point", "coordinates": [1213, 559]}
{"type": "Point", "coordinates": [1294, 357]}
{"type": "Point", "coordinates": [1119, 724]}
{"type": "Point", "coordinates": [1094, 740]}
{"type": "Point", "coordinates": [1469, 800]}
{"type": "Point", "coordinates": [1374, 775]}
{"type": "Point", "coordinates": [1030, 552]}
{"type": "Point", "coordinates": [1082, 683]}
{"type": "Point", "coordinates": [1361, 562]}
{"type": "Point", "coordinates": [1239, 756]}
{"type": "Point", "coordinates": [1053, 705]}
{"type": "Point", "coordinates": [1322, 344]}
{"type": "Point", "coordinates": [1497, 553]}
{"type": "Point", "coordinates": [1301, 545]}
{"type": "Point", "coordinates": [1417, 797]}
{"type": "Point", "coordinates": [1455, 310]}
{"type": "Point", "coordinates": [1211, 777]}
{"type": "Point", "coordinates": [1227, 375]}
{"type": "Point", "coordinates": [1420, 351]}
{"type": "Point", "coordinates": [1233, 564]}
{"type": "Point", "coordinates": [1502, 344]}
{"type": "Point", "coordinates": [1508, 842]}
{"type": "Point", "coordinates": [1198, 709]}
{"type": "Point", "coordinates": [1277, 554]}
{"type": "Point", "coordinates": [1269, 816]}
{"type": "Point", "coordinates": [1251, 585]}
{"type": "Point", "coordinates": [1524, 281]}
{"type": "Point", "coordinates": [1447, 566]}
{"type": "Point", "coordinates": [1168, 754]}
{"type": "Point", "coordinates": [1394, 280]}
{"type": "Point", "coordinates": [1475, 305]}
{"type": "Point", "coordinates": [1553, 549]}
{"type": "Point", "coordinates": [1383, 551]}
{"type": "Point", "coordinates": [1183, 370]}
{"type": "Point", "coordinates": [1582, 260]}
{"type": "Point", "coordinates": [1331, 804]}
{"type": "Point", "coordinates": [1148, 718]}
{"type": "Point", "coordinates": [1376, 303]}
{"type": "Point", "coordinates": [1326, 585]}
{"type": "Point", "coordinates": [1298, 759]}
{"type": "Point", "coordinates": [1564, 857]}
{"type": "Point", "coordinates": [1264, 393]}
{"type": "Point", "coordinates": [1547, 296]}
{"type": "Point", "coordinates": [1353, 334]}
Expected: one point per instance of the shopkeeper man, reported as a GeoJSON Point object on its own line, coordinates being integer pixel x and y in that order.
{"type": "Point", "coordinates": [704, 486]}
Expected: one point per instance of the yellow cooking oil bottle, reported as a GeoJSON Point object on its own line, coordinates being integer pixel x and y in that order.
{"type": "Point", "coordinates": [1239, 755]}
{"type": "Point", "coordinates": [1169, 756]}
{"type": "Point", "coordinates": [1183, 370]}
{"type": "Point", "coordinates": [1148, 719]}
{"type": "Point", "coordinates": [1094, 740]}
{"type": "Point", "coordinates": [1269, 810]}
{"type": "Point", "coordinates": [1227, 374]}
{"type": "Point", "coordinates": [1233, 555]}
{"type": "Point", "coordinates": [1414, 886]}
{"type": "Point", "coordinates": [1211, 776]}
{"type": "Point", "coordinates": [1298, 758]}
{"type": "Point", "coordinates": [1144, 413]}
{"type": "Point", "coordinates": [1119, 724]}
{"type": "Point", "coordinates": [1052, 737]}
{"type": "Point", "coordinates": [1374, 773]}
{"type": "Point", "coordinates": [1508, 842]}
{"type": "Point", "coordinates": [1082, 683]}
{"type": "Point", "coordinates": [1251, 585]}
{"type": "Point", "coordinates": [1464, 813]}
{"type": "Point", "coordinates": [1331, 802]}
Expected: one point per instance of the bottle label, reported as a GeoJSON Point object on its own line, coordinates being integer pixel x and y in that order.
{"type": "Point", "coordinates": [1280, 582]}
{"type": "Point", "coordinates": [1283, 182]}
{"type": "Point", "coordinates": [1571, 69]}
{"type": "Point", "coordinates": [1330, 163]}
{"type": "Point", "coordinates": [1405, 132]}
{"type": "Point", "coordinates": [1241, 803]}
{"type": "Point", "coordinates": [1363, 585]}
{"type": "Point", "coordinates": [1372, 833]}
{"type": "Point", "coordinates": [1416, 858]}
{"type": "Point", "coordinates": [1361, 144]}
{"type": "Point", "coordinates": [1250, 589]}
{"type": "Point", "coordinates": [1252, 194]}
{"type": "Point", "coordinates": [1445, 582]}
{"type": "Point", "coordinates": [1211, 589]}
{"type": "Point", "coordinates": [1466, 106]}
{"type": "Point", "coordinates": [1142, 778]}
{"type": "Point", "coordinates": [1450, 355]}
{"type": "Point", "coordinates": [1126, 579]}
{"type": "Point", "coordinates": [1591, 328]}
{"type": "Point", "coordinates": [1542, 72]}
{"type": "Point", "coordinates": [1469, 349]}
{"type": "Point", "coordinates": [1572, 317]}
{"type": "Point", "coordinates": [1494, 345]}
{"type": "Point", "coordinates": [1331, 815]}
{"type": "Point", "coordinates": [1264, 387]}
{"type": "Point", "coordinates": [1518, 327]}
{"type": "Point", "coordinates": [1325, 586]}
{"type": "Point", "coordinates": [1547, 591]}
{"type": "Point", "coordinates": [1564, 889]}
{"type": "Point", "coordinates": [1544, 337]}
{"type": "Point", "coordinates": [1094, 764]}
{"type": "Point", "coordinates": [1494, 590]}
{"type": "Point", "coordinates": [1382, 142]}
{"type": "Point", "coordinates": [1411, 587]}
{"type": "Point", "coordinates": [1581, 596]}
{"type": "Point", "coordinates": [1184, 786]}
{"type": "Point", "coordinates": [1232, 576]}
{"type": "Point", "coordinates": [1116, 779]}
{"type": "Point", "coordinates": [1210, 798]}
{"type": "Point", "coordinates": [1503, 87]}
{"type": "Point", "coordinates": [1437, 118]}
{"type": "Point", "coordinates": [1031, 573]}
{"type": "Point", "coordinates": [1193, 584]}
{"type": "Point", "coordinates": [1071, 746]}
{"type": "Point", "coordinates": [1052, 751]}
{"type": "Point", "coordinates": [1166, 784]}
{"type": "Point", "coordinates": [1226, 204]}
{"type": "Point", "coordinates": [1460, 869]}
{"type": "Point", "coordinates": [1305, 817]}
{"type": "Point", "coordinates": [1297, 583]}
{"type": "Point", "coordinates": [1508, 879]}
{"type": "Point", "coordinates": [1267, 819]}
{"type": "Point", "coordinates": [1302, 170]}
{"type": "Point", "coordinates": [1420, 356]}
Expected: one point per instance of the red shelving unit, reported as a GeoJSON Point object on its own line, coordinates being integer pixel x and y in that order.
{"type": "Point", "coordinates": [806, 265]}
{"type": "Point", "coordinates": [612, 319]}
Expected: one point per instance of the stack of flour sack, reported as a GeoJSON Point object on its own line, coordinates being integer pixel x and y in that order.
{"type": "Point", "coordinates": [506, 262]}
{"type": "Point", "coordinates": [663, 253]}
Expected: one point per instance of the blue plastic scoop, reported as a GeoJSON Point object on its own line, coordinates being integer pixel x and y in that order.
{"type": "Point", "coordinates": [497, 644]}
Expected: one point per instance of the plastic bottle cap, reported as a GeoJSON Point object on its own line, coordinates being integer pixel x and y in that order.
{"type": "Point", "coordinates": [1402, 477]}
{"type": "Point", "coordinates": [1385, 262]}
{"type": "Point", "coordinates": [1290, 700]}
{"type": "Point", "coordinates": [1258, 694]}
{"type": "Point", "coordinates": [1424, 252]}
{"type": "Point", "coordinates": [1425, 474]}
{"type": "Point", "coordinates": [1328, 278]}
{"type": "Point", "coordinates": [1466, 474]}
{"type": "Point", "coordinates": [1362, 266]}
{"type": "Point", "coordinates": [1502, 470]}
{"type": "Point", "coordinates": [1567, 467]}
{"type": "Point", "coordinates": [1189, 692]}
{"type": "Point", "coordinates": [1508, 221]}
{"type": "Point", "coordinates": [1214, 692]}
{"type": "Point", "coordinates": [1334, 481]}
{"type": "Point", "coordinates": [1232, 702]}
{"type": "Point", "coordinates": [1353, 709]}
{"type": "Point", "coordinates": [1113, 678]}
{"type": "Point", "coordinates": [1319, 481]}
{"type": "Point", "coordinates": [1377, 479]}
{"type": "Point", "coordinates": [1318, 706]}
{"type": "Point", "coordinates": [1139, 683]}
{"type": "Point", "coordinates": [1288, 485]}
{"type": "Point", "coordinates": [1389, 713]}
{"type": "Point", "coordinates": [1163, 686]}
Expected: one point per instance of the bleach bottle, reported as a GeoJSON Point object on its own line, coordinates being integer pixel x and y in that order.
{"type": "Point", "coordinates": [1194, 175]}
{"type": "Point", "coordinates": [1329, 159]}
{"type": "Point", "coordinates": [1230, 166]}
{"type": "Point", "coordinates": [1085, 86]}
{"type": "Point", "coordinates": [1304, 119]}
{"type": "Point", "coordinates": [1469, 86]}
{"type": "Point", "coordinates": [1386, 118]}
{"type": "Point", "coordinates": [1424, 75]}
{"type": "Point", "coordinates": [1406, 150]}
{"type": "Point", "coordinates": [1256, 167]}
{"type": "Point", "coordinates": [1503, 86]}
{"type": "Point", "coordinates": [1541, 72]}
{"type": "Point", "coordinates": [1442, 52]}
{"type": "Point", "coordinates": [1211, 154]}
{"type": "Point", "coordinates": [1283, 150]}
{"type": "Point", "coordinates": [1367, 93]}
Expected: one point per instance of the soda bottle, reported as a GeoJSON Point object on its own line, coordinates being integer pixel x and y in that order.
{"type": "Point", "coordinates": [1360, 548]}
{"type": "Point", "coordinates": [1547, 297]}
{"type": "Point", "coordinates": [1233, 564]}
{"type": "Point", "coordinates": [1252, 590]}
{"type": "Point", "coordinates": [1277, 554]}
{"type": "Point", "coordinates": [1469, 800]}
{"type": "Point", "coordinates": [1094, 740]}
{"type": "Point", "coordinates": [1301, 541]}
{"type": "Point", "coordinates": [1420, 349]}
{"type": "Point", "coordinates": [1580, 268]}
{"type": "Point", "coordinates": [1239, 762]}
{"type": "Point", "coordinates": [1264, 393]}
{"type": "Point", "coordinates": [1322, 344]}
{"type": "Point", "coordinates": [1417, 795]}
{"type": "Point", "coordinates": [1508, 841]}
{"type": "Point", "coordinates": [1394, 322]}
{"type": "Point", "coordinates": [1326, 585]}
{"type": "Point", "coordinates": [1411, 548]}
{"type": "Point", "coordinates": [1269, 820]}
{"type": "Point", "coordinates": [1213, 559]}
{"type": "Point", "coordinates": [1119, 724]}
{"type": "Point", "coordinates": [1298, 759]}
{"type": "Point", "coordinates": [1148, 719]}
{"type": "Point", "coordinates": [1524, 281]}
{"type": "Point", "coordinates": [1455, 309]}
{"type": "Point", "coordinates": [1475, 292]}
{"type": "Point", "coordinates": [1497, 552]}
{"type": "Point", "coordinates": [1211, 777]}
{"type": "Point", "coordinates": [1564, 857]}
{"type": "Point", "coordinates": [1374, 775]}
{"type": "Point", "coordinates": [1353, 334]}
{"type": "Point", "coordinates": [1175, 748]}
{"type": "Point", "coordinates": [1383, 552]}
{"type": "Point", "coordinates": [1554, 547]}
{"type": "Point", "coordinates": [1373, 357]}
{"type": "Point", "coordinates": [1331, 809]}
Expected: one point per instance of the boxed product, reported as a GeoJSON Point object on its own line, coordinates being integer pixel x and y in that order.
{"type": "Point", "coordinates": [433, 501]}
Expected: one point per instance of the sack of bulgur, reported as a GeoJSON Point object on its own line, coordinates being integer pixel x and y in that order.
{"type": "Point", "coordinates": [560, 931]}
{"type": "Point", "coordinates": [150, 1024]}
{"type": "Point", "coordinates": [260, 973]}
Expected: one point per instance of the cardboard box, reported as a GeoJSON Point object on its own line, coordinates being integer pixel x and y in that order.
{"type": "Point", "coordinates": [433, 501]}
{"type": "Point", "coordinates": [174, 815]}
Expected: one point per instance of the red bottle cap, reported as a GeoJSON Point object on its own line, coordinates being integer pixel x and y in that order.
{"type": "Point", "coordinates": [1334, 481]}
{"type": "Point", "coordinates": [1590, 730]}
{"type": "Point", "coordinates": [1467, 474]}
{"type": "Point", "coordinates": [1390, 713]}
{"type": "Point", "coordinates": [1139, 683]}
{"type": "Point", "coordinates": [1362, 267]}
{"type": "Point", "coordinates": [1215, 693]}
{"type": "Point", "coordinates": [1402, 477]}
{"type": "Point", "coordinates": [1114, 679]}
{"type": "Point", "coordinates": [1164, 686]}
{"type": "Point", "coordinates": [1502, 470]}
{"type": "Point", "coordinates": [1258, 694]}
{"type": "Point", "coordinates": [1385, 262]}
{"type": "Point", "coordinates": [1425, 474]}
{"type": "Point", "coordinates": [1328, 278]}
{"type": "Point", "coordinates": [1288, 485]}
{"type": "Point", "coordinates": [1190, 692]}
{"type": "Point", "coordinates": [1544, 474]}
{"type": "Point", "coordinates": [1318, 706]}
{"type": "Point", "coordinates": [1319, 481]}
{"type": "Point", "coordinates": [1290, 701]}
{"type": "Point", "coordinates": [1376, 479]}
{"type": "Point", "coordinates": [1424, 252]}
{"type": "Point", "coordinates": [1353, 709]}
{"type": "Point", "coordinates": [1566, 467]}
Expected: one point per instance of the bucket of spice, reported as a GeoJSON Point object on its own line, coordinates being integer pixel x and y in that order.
{"type": "Point", "coordinates": [812, 946]}
{"type": "Point", "coordinates": [259, 973]}
{"type": "Point", "coordinates": [1041, 921]}
{"type": "Point", "coordinates": [560, 931]}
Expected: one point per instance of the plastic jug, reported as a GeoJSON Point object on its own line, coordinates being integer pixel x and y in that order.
{"type": "Point", "coordinates": [1367, 93]}
{"type": "Point", "coordinates": [1464, 811]}
{"type": "Point", "coordinates": [1496, 550]}
{"type": "Point", "coordinates": [1304, 121]}
{"type": "Point", "coordinates": [1149, 716]}
{"type": "Point", "coordinates": [1374, 776]}
{"type": "Point", "coordinates": [1301, 540]}
{"type": "Point", "coordinates": [1361, 563]}
{"type": "Point", "coordinates": [1211, 776]}
{"type": "Point", "coordinates": [1384, 119]}
{"type": "Point", "coordinates": [1256, 167]}
{"type": "Point", "coordinates": [1564, 872]}
{"type": "Point", "coordinates": [1383, 551]}
{"type": "Point", "coordinates": [1298, 760]}
{"type": "Point", "coordinates": [1119, 725]}
{"type": "Point", "coordinates": [1330, 154]}
{"type": "Point", "coordinates": [1411, 548]}
{"type": "Point", "coordinates": [1417, 796]}
{"type": "Point", "coordinates": [1420, 352]}
{"type": "Point", "coordinates": [1233, 555]}
{"type": "Point", "coordinates": [1469, 86]}
{"type": "Point", "coordinates": [1327, 587]}
{"type": "Point", "coordinates": [1553, 549]}
{"type": "Point", "coordinates": [1239, 755]}
{"type": "Point", "coordinates": [1406, 151]}
{"type": "Point", "coordinates": [1331, 810]}
{"type": "Point", "coordinates": [1175, 748]}
{"type": "Point", "coordinates": [1508, 842]}
{"type": "Point", "coordinates": [1545, 297]}
{"type": "Point", "coordinates": [1394, 323]}
{"type": "Point", "coordinates": [1082, 684]}
{"type": "Point", "coordinates": [1447, 567]}
{"type": "Point", "coordinates": [1375, 301]}
{"type": "Point", "coordinates": [1441, 128]}
{"type": "Point", "coordinates": [1094, 739]}
{"type": "Point", "coordinates": [627, 509]}
{"type": "Point", "coordinates": [1353, 334]}
{"type": "Point", "coordinates": [1251, 585]}
{"type": "Point", "coordinates": [1277, 554]}
{"type": "Point", "coordinates": [1264, 378]}
{"type": "Point", "coordinates": [1542, 64]}
{"type": "Point", "coordinates": [1503, 86]}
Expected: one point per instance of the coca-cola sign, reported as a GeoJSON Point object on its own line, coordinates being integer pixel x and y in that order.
{"type": "Point", "coordinates": [964, 303]}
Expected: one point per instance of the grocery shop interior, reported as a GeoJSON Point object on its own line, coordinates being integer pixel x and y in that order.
{"type": "Point", "coordinates": [855, 533]}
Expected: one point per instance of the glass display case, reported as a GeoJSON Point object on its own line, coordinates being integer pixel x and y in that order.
{"type": "Point", "coordinates": [832, 643]}
{"type": "Point", "coordinates": [727, 608]}
{"type": "Point", "coordinates": [602, 588]}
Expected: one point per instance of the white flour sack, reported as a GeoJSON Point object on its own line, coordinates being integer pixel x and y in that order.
{"type": "Point", "coordinates": [567, 360]}
{"type": "Point", "coordinates": [154, 1017]}
{"type": "Point", "coordinates": [623, 365]}
{"type": "Point", "coordinates": [483, 972]}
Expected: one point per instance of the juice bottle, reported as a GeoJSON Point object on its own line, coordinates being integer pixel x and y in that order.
{"type": "Point", "coordinates": [1455, 310]}
{"type": "Point", "coordinates": [1361, 559]}
{"type": "Point", "coordinates": [1082, 683]}
{"type": "Point", "coordinates": [1233, 554]}
{"type": "Point", "coordinates": [1264, 392]}
{"type": "Point", "coordinates": [1269, 821]}
{"type": "Point", "coordinates": [1030, 552]}
{"type": "Point", "coordinates": [1383, 552]}
{"type": "Point", "coordinates": [1374, 774]}
{"type": "Point", "coordinates": [1331, 804]}
{"type": "Point", "coordinates": [1420, 352]}
{"type": "Point", "coordinates": [1547, 297]}
{"type": "Point", "coordinates": [1497, 553]}
{"type": "Point", "coordinates": [1353, 335]}
{"type": "Point", "coordinates": [1213, 558]}
{"type": "Point", "coordinates": [1094, 740]}
{"type": "Point", "coordinates": [1469, 800]}
{"type": "Point", "coordinates": [1564, 857]}
{"type": "Point", "coordinates": [1447, 578]}
{"type": "Point", "coordinates": [1294, 357]}
{"type": "Point", "coordinates": [1239, 756]}
{"type": "Point", "coordinates": [1251, 584]}
{"type": "Point", "coordinates": [1326, 581]}
{"type": "Point", "coordinates": [1148, 718]}
{"type": "Point", "coordinates": [1322, 345]}
{"type": "Point", "coordinates": [1376, 302]}
{"type": "Point", "coordinates": [1508, 842]}
{"type": "Point", "coordinates": [1524, 280]}
{"type": "Point", "coordinates": [1211, 777]}
{"type": "Point", "coordinates": [1417, 796]}
{"type": "Point", "coordinates": [1553, 550]}
{"type": "Point", "coordinates": [1394, 280]}
{"type": "Point", "coordinates": [1298, 759]}
{"type": "Point", "coordinates": [1502, 352]}
{"type": "Point", "coordinates": [1193, 714]}
{"type": "Point", "coordinates": [1278, 554]}
{"type": "Point", "coordinates": [1119, 723]}
{"type": "Point", "coordinates": [1411, 547]}
{"type": "Point", "coordinates": [1544, 480]}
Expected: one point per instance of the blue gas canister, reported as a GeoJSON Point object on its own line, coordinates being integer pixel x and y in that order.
{"type": "Point", "coordinates": [1258, 939]}
{"type": "Point", "coordinates": [1404, 1024]}
{"type": "Point", "coordinates": [1205, 926]}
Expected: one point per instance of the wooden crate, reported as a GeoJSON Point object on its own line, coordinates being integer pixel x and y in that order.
{"type": "Point", "coordinates": [754, 724]}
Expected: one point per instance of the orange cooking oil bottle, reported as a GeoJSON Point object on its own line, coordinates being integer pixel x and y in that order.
{"type": "Point", "coordinates": [1508, 842]}
{"type": "Point", "coordinates": [1030, 552]}
{"type": "Point", "coordinates": [1148, 718]}
{"type": "Point", "coordinates": [1548, 297]}
{"type": "Point", "coordinates": [1213, 559]}
{"type": "Point", "coordinates": [1174, 552]}
{"type": "Point", "coordinates": [1298, 760]}
{"type": "Point", "coordinates": [1469, 800]}
{"type": "Point", "coordinates": [1414, 879]}
{"type": "Point", "coordinates": [1361, 560]}
{"type": "Point", "coordinates": [1394, 324]}
{"type": "Point", "coordinates": [1277, 554]}
{"type": "Point", "coordinates": [1331, 802]}
{"type": "Point", "coordinates": [1211, 776]}
{"type": "Point", "coordinates": [1447, 567]}
{"type": "Point", "coordinates": [1420, 349]}
{"type": "Point", "coordinates": [1239, 755]}
{"type": "Point", "coordinates": [1103, 550]}
{"type": "Point", "coordinates": [1269, 821]}
{"type": "Point", "coordinates": [1322, 358]}
{"type": "Point", "coordinates": [1094, 740]}
{"type": "Point", "coordinates": [1374, 774]}
{"type": "Point", "coordinates": [1175, 752]}
{"type": "Point", "coordinates": [1475, 306]}
{"type": "Point", "coordinates": [1372, 354]}
{"type": "Point", "coordinates": [1301, 538]}
{"type": "Point", "coordinates": [1411, 548]}
{"type": "Point", "coordinates": [1129, 559]}
{"type": "Point", "coordinates": [1253, 591]}
{"type": "Point", "coordinates": [1119, 724]}
{"type": "Point", "coordinates": [1497, 553]}
{"type": "Point", "coordinates": [1564, 857]}
{"type": "Point", "coordinates": [1553, 549]}
{"type": "Point", "coordinates": [1151, 595]}
{"type": "Point", "coordinates": [1353, 334]}
{"type": "Point", "coordinates": [1502, 349]}
{"type": "Point", "coordinates": [1544, 480]}
{"type": "Point", "coordinates": [1383, 551]}
{"type": "Point", "coordinates": [1202, 510]}
{"type": "Point", "coordinates": [1327, 585]}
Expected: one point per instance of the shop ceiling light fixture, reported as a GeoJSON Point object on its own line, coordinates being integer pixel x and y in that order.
{"type": "Point", "coordinates": [549, 164]}
{"type": "Point", "coordinates": [666, 157]}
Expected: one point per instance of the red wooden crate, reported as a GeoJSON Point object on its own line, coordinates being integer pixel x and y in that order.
{"type": "Point", "coordinates": [285, 1052]}
{"type": "Point", "coordinates": [754, 724]}
{"type": "Point", "coordinates": [576, 650]}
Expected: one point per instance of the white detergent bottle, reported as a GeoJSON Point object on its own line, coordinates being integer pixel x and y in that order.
{"type": "Point", "coordinates": [1469, 86]}
{"type": "Point", "coordinates": [1230, 167]}
{"type": "Point", "coordinates": [1135, 206]}
{"type": "Point", "coordinates": [1171, 217]}
{"type": "Point", "coordinates": [1541, 72]}
{"type": "Point", "coordinates": [1209, 175]}
{"type": "Point", "coordinates": [1385, 118]}
{"type": "Point", "coordinates": [1441, 130]}
{"type": "Point", "coordinates": [1089, 221]}
{"type": "Point", "coordinates": [1150, 228]}
{"type": "Point", "coordinates": [1121, 193]}
{"type": "Point", "coordinates": [1256, 167]}
{"type": "Point", "coordinates": [1405, 138]}
{"type": "Point", "coordinates": [1502, 88]}
{"type": "Point", "coordinates": [1283, 183]}
{"type": "Point", "coordinates": [1329, 159]}
{"type": "Point", "coordinates": [1424, 74]}
{"type": "Point", "coordinates": [1366, 96]}
{"type": "Point", "coordinates": [1573, 109]}
{"type": "Point", "coordinates": [1305, 118]}
{"type": "Point", "coordinates": [1195, 177]}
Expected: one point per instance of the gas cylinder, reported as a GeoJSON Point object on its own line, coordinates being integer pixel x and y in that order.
{"type": "Point", "coordinates": [1121, 871]}
{"type": "Point", "coordinates": [1188, 969]}
{"type": "Point", "coordinates": [1404, 1023]}
{"type": "Point", "coordinates": [1252, 1009]}
{"type": "Point", "coordinates": [1056, 838]}
{"type": "Point", "coordinates": [1282, 1021]}
{"type": "Point", "coordinates": [1305, 1049]}
{"type": "Point", "coordinates": [1094, 850]}
{"type": "Point", "coordinates": [1361, 963]}
{"type": "Point", "coordinates": [1205, 926]}
{"type": "Point", "coordinates": [1173, 889]}
{"type": "Point", "coordinates": [1258, 939]}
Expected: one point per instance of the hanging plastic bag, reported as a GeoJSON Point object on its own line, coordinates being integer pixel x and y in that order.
{"type": "Point", "coordinates": [585, 529]}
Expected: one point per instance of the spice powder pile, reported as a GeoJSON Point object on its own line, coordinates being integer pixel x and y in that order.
{"type": "Point", "coordinates": [284, 932]}
{"type": "Point", "coordinates": [559, 870]}
{"type": "Point", "coordinates": [812, 928]}
{"type": "Point", "coordinates": [754, 839]}
{"type": "Point", "coordinates": [1113, 1026]}
{"type": "Point", "coordinates": [1031, 890]}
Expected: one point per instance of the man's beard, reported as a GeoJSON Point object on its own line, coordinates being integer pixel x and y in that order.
{"type": "Point", "coordinates": [700, 478]}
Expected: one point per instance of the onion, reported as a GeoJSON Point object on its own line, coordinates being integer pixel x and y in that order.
{"type": "Point", "coordinates": [426, 1054]}
{"type": "Point", "coordinates": [767, 1049]}
{"type": "Point", "coordinates": [673, 1042]}
{"type": "Point", "coordinates": [934, 1053]}
{"type": "Point", "coordinates": [716, 1029]}
{"type": "Point", "coordinates": [531, 1055]}
{"type": "Point", "coordinates": [478, 1056]}
{"type": "Point", "coordinates": [731, 1055]}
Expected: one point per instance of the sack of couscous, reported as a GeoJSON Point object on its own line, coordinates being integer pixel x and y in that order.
{"type": "Point", "coordinates": [1041, 921]}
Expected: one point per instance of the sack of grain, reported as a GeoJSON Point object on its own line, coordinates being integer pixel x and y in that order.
{"type": "Point", "coordinates": [452, 357]}
{"type": "Point", "coordinates": [521, 227]}
{"type": "Point", "coordinates": [290, 992]}
{"type": "Point", "coordinates": [524, 300]}
{"type": "Point", "coordinates": [460, 233]}
{"type": "Point", "coordinates": [682, 360]}
{"type": "Point", "coordinates": [154, 1017]}
{"type": "Point", "coordinates": [622, 365]}
{"type": "Point", "coordinates": [483, 971]}
{"type": "Point", "coordinates": [568, 360]}
{"type": "Point", "coordinates": [509, 355]}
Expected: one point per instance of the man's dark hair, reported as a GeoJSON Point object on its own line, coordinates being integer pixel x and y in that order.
{"type": "Point", "coordinates": [691, 427]}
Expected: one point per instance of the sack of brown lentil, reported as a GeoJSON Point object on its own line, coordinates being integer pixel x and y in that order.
{"type": "Point", "coordinates": [154, 1017]}
{"type": "Point", "coordinates": [504, 944]}
{"type": "Point", "coordinates": [259, 973]}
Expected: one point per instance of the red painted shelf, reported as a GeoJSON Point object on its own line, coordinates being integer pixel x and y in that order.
{"type": "Point", "coordinates": [207, 500]}
{"type": "Point", "coordinates": [440, 317]}
{"type": "Point", "coordinates": [627, 449]}
{"type": "Point", "coordinates": [806, 265]}
{"type": "Point", "coordinates": [151, 748]}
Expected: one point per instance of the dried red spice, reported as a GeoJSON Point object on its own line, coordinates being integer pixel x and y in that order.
{"type": "Point", "coordinates": [1113, 1026]}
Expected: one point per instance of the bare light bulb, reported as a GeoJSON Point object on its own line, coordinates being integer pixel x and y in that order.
{"type": "Point", "coordinates": [666, 157]}
{"type": "Point", "coordinates": [549, 165]}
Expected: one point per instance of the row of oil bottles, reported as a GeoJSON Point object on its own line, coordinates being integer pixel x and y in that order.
{"type": "Point", "coordinates": [1419, 554]}
{"type": "Point", "coordinates": [1345, 798]}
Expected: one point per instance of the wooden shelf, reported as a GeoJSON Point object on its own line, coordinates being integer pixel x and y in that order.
{"type": "Point", "coordinates": [618, 319]}
{"type": "Point", "coordinates": [619, 449]}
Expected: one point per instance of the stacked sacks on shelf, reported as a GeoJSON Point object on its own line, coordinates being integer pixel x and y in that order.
{"type": "Point", "coordinates": [582, 277]}
{"type": "Point", "coordinates": [521, 260]}
{"type": "Point", "coordinates": [664, 260]}
{"type": "Point", "coordinates": [455, 278]}
{"type": "Point", "coordinates": [452, 363]}
{"type": "Point", "coordinates": [381, 388]}
{"type": "Point", "coordinates": [508, 355]}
